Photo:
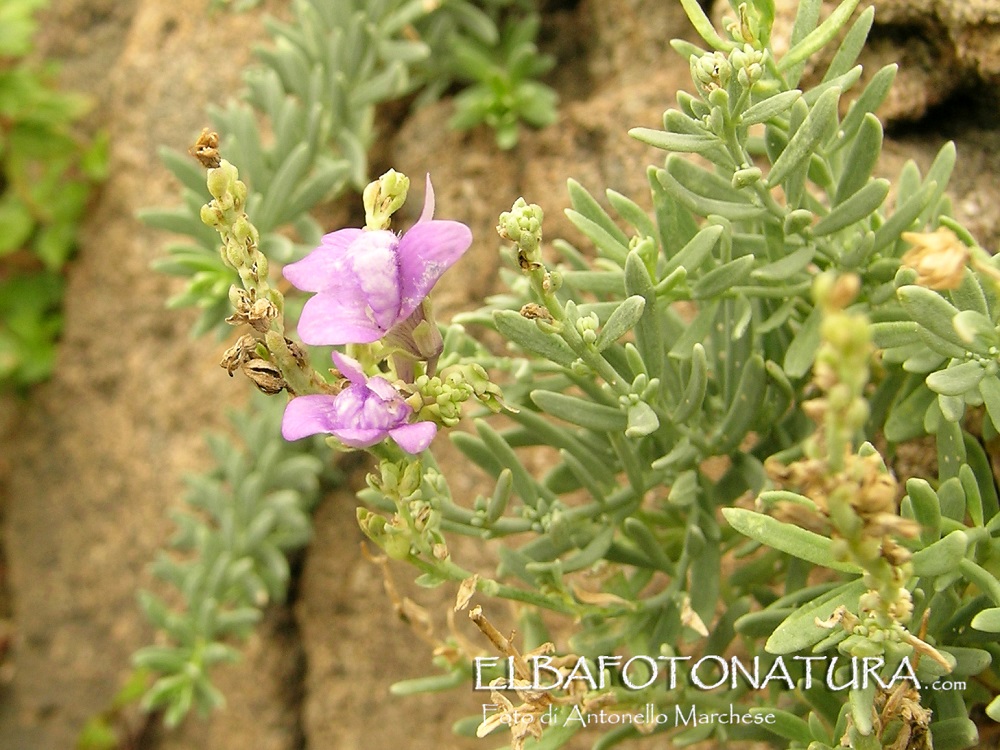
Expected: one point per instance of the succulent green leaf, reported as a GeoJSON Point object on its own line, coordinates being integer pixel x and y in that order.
{"type": "Point", "coordinates": [794, 540]}
{"type": "Point", "coordinates": [976, 330]}
{"type": "Point", "coordinates": [799, 630]}
{"type": "Point", "coordinates": [989, 388]}
{"type": "Point", "coordinates": [926, 508]}
{"type": "Point", "coordinates": [607, 243]}
{"type": "Point", "coordinates": [859, 206]}
{"type": "Point", "coordinates": [851, 46]}
{"type": "Point", "coordinates": [862, 158]}
{"type": "Point", "coordinates": [769, 108]}
{"type": "Point", "coordinates": [822, 120]}
{"type": "Point", "coordinates": [525, 333]}
{"type": "Point", "coordinates": [941, 557]}
{"type": "Point", "coordinates": [680, 142]}
{"type": "Point", "coordinates": [786, 724]}
{"type": "Point", "coordinates": [955, 733]}
{"type": "Point", "coordinates": [524, 484]}
{"type": "Point", "coordinates": [726, 276]}
{"type": "Point", "coordinates": [622, 320]}
{"type": "Point", "coordinates": [580, 412]}
{"type": "Point", "coordinates": [433, 684]}
{"type": "Point", "coordinates": [697, 385]}
{"type": "Point", "coordinates": [802, 351]}
{"type": "Point", "coordinates": [956, 379]}
{"type": "Point", "coordinates": [819, 37]}
{"type": "Point", "coordinates": [648, 333]}
{"type": "Point", "coordinates": [694, 253]}
{"type": "Point", "coordinates": [904, 215]}
{"type": "Point", "coordinates": [869, 101]}
{"type": "Point", "coordinates": [930, 310]}
{"type": "Point", "coordinates": [786, 267]}
{"type": "Point", "coordinates": [987, 620]}
{"type": "Point", "coordinates": [895, 333]}
{"type": "Point", "coordinates": [737, 208]}
{"type": "Point", "coordinates": [704, 26]}
{"type": "Point", "coordinates": [744, 408]}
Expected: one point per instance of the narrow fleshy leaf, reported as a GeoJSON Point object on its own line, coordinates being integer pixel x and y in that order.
{"type": "Point", "coordinates": [794, 540]}
{"type": "Point", "coordinates": [622, 320]}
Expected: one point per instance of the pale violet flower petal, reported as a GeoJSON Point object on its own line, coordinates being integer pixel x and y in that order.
{"type": "Point", "coordinates": [359, 437]}
{"type": "Point", "coordinates": [325, 267]}
{"type": "Point", "coordinates": [414, 438]}
{"type": "Point", "coordinates": [350, 368]}
{"type": "Point", "coordinates": [308, 415]}
{"type": "Point", "coordinates": [428, 213]}
{"type": "Point", "coordinates": [375, 266]}
{"type": "Point", "coordinates": [383, 388]}
{"type": "Point", "coordinates": [425, 253]}
{"type": "Point", "coordinates": [333, 320]}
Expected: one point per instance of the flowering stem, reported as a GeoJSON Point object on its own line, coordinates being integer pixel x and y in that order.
{"type": "Point", "coordinates": [258, 304]}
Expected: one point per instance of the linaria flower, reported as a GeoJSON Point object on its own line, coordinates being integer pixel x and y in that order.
{"type": "Point", "coordinates": [365, 413]}
{"type": "Point", "coordinates": [368, 281]}
{"type": "Point", "coordinates": [938, 257]}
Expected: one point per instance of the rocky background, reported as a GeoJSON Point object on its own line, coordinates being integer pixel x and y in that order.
{"type": "Point", "coordinates": [91, 462]}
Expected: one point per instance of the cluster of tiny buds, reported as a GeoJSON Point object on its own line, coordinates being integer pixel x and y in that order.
{"type": "Point", "coordinates": [522, 225]}
{"type": "Point", "coordinates": [748, 64]}
{"type": "Point", "coordinates": [711, 71]}
{"type": "Point", "coordinates": [714, 70]}
{"type": "Point", "coordinates": [441, 399]}
{"type": "Point", "coordinates": [587, 326]}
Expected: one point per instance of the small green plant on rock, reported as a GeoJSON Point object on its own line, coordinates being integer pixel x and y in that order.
{"type": "Point", "coordinates": [47, 174]}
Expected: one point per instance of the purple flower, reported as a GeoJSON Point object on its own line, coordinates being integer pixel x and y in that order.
{"type": "Point", "coordinates": [368, 281]}
{"type": "Point", "coordinates": [363, 414]}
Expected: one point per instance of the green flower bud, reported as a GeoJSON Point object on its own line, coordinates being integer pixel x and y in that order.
{"type": "Point", "coordinates": [372, 524]}
{"type": "Point", "coordinates": [234, 254]}
{"type": "Point", "coordinates": [383, 197]}
{"type": "Point", "coordinates": [798, 220]}
{"type": "Point", "coordinates": [745, 177]}
{"type": "Point", "coordinates": [239, 192]}
{"type": "Point", "coordinates": [396, 545]}
{"type": "Point", "coordinates": [221, 179]}
{"type": "Point", "coordinates": [587, 327]}
{"type": "Point", "coordinates": [647, 250]}
{"type": "Point", "coordinates": [211, 216]}
{"type": "Point", "coordinates": [242, 230]}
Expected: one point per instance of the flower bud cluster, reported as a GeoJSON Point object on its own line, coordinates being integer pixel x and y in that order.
{"type": "Point", "coordinates": [714, 70]}
{"type": "Point", "coordinates": [711, 71]}
{"type": "Point", "coordinates": [587, 326]}
{"type": "Point", "coordinates": [522, 225]}
{"type": "Point", "coordinates": [225, 214]}
{"type": "Point", "coordinates": [748, 63]}
{"type": "Point", "coordinates": [271, 361]}
{"type": "Point", "coordinates": [439, 398]}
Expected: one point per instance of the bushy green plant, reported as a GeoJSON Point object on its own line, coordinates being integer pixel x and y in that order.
{"type": "Point", "coordinates": [504, 91]}
{"type": "Point", "coordinates": [718, 351]}
{"type": "Point", "coordinates": [229, 560]}
{"type": "Point", "coordinates": [47, 173]}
